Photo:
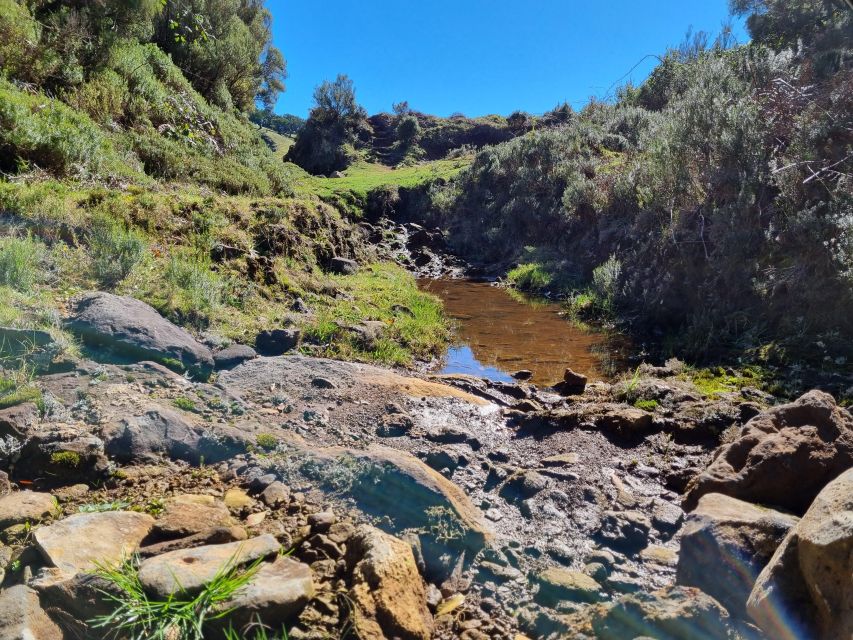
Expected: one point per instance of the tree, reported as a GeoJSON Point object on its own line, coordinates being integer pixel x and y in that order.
{"type": "Point", "coordinates": [324, 144]}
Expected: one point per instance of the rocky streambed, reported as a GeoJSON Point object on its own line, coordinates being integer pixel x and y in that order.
{"type": "Point", "coordinates": [357, 501]}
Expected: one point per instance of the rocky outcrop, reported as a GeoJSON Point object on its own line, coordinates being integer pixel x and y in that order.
{"type": "Point", "coordinates": [132, 329]}
{"type": "Point", "coordinates": [725, 543]}
{"type": "Point", "coordinates": [388, 592]}
{"type": "Point", "coordinates": [782, 457]}
{"type": "Point", "coordinates": [806, 590]}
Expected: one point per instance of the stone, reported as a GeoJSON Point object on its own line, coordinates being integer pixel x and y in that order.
{"type": "Point", "coordinates": [276, 342]}
{"type": "Point", "coordinates": [556, 584]}
{"type": "Point", "coordinates": [274, 595]}
{"type": "Point", "coordinates": [807, 587]}
{"type": "Point", "coordinates": [623, 420]}
{"type": "Point", "coordinates": [213, 535]}
{"type": "Point", "coordinates": [663, 556]}
{"type": "Point", "coordinates": [673, 613]}
{"type": "Point", "coordinates": [21, 507]}
{"type": "Point", "coordinates": [523, 374]}
{"type": "Point", "coordinates": [625, 530]}
{"type": "Point", "coordinates": [22, 618]}
{"type": "Point", "coordinates": [322, 521]}
{"type": "Point", "coordinates": [236, 499]}
{"type": "Point", "coordinates": [19, 420]}
{"type": "Point", "coordinates": [561, 460]}
{"type": "Point", "coordinates": [276, 494]}
{"type": "Point", "coordinates": [163, 432]}
{"type": "Point", "coordinates": [343, 266]}
{"type": "Point", "coordinates": [782, 457]}
{"type": "Point", "coordinates": [188, 514]}
{"type": "Point", "coordinates": [725, 543]}
{"type": "Point", "coordinates": [572, 384]}
{"type": "Point", "coordinates": [524, 485]}
{"type": "Point", "coordinates": [667, 517]}
{"type": "Point", "coordinates": [188, 571]}
{"type": "Point", "coordinates": [388, 593]}
{"type": "Point", "coordinates": [131, 328]}
{"type": "Point", "coordinates": [84, 540]}
{"type": "Point", "coordinates": [233, 356]}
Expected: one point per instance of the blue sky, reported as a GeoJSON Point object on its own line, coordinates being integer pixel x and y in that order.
{"type": "Point", "coordinates": [478, 56]}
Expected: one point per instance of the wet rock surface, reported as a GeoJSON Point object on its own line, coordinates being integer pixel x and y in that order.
{"type": "Point", "coordinates": [412, 505]}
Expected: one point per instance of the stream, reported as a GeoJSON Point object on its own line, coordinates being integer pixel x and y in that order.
{"type": "Point", "coordinates": [499, 331]}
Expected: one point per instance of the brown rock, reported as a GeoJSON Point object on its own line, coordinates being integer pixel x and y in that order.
{"type": "Point", "coordinates": [725, 544]}
{"type": "Point", "coordinates": [806, 590]}
{"type": "Point", "coordinates": [388, 592]}
{"type": "Point", "coordinates": [22, 618]}
{"type": "Point", "coordinates": [782, 457]}
{"type": "Point", "coordinates": [20, 507]}
{"type": "Point", "coordinates": [188, 514]}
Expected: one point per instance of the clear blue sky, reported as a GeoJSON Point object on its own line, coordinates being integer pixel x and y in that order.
{"type": "Point", "coordinates": [478, 56]}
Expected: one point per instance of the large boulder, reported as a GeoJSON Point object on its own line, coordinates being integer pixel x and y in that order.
{"type": "Point", "coordinates": [132, 329]}
{"type": "Point", "coordinates": [806, 590]}
{"type": "Point", "coordinates": [782, 457]}
{"type": "Point", "coordinates": [725, 543]}
{"type": "Point", "coordinates": [22, 618]}
{"type": "Point", "coordinates": [388, 593]}
{"type": "Point", "coordinates": [21, 507]}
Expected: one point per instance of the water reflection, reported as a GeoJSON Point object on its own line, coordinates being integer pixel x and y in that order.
{"type": "Point", "coordinates": [498, 334]}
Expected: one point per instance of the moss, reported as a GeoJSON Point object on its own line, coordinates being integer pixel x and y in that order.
{"type": "Point", "coordinates": [646, 405]}
{"type": "Point", "coordinates": [184, 403]}
{"type": "Point", "coordinates": [70, 459]}
{"type": "Point", "coordinates": [20, 396]}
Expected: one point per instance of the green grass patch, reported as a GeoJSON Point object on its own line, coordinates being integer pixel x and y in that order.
{"type": "Point", "coordinates": [266, 441]}
{"type": "Point", "coordinates": [184, 403]}
{"type": "Point", "coordinates": [531, 276]}
{"type": "Point", "coordinates": [646, 405]}
{"type": "Point", "coordinates": [70, 459]}
{"type": "Point", "coordinates": [715, 381]}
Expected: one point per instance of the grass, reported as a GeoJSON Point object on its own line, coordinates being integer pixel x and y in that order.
{"type": "Point", "coordinates": [137, 617]}
{"type": "Point", "coordinates": [184, 403]}
{"type": "Point", "coordinates": [69, 459]}
{"type": "Point", "coordinates": [716, 381]}
{"type": "Point", "coordinates": [529, 277]}
{"type": "Point", "coordinates": [646, 405]}
{"type": "Point", "coordinates": [413, 321]}
{"type": "Point", "coordinates": [266, 441]}
{"type": "Point", "coordinates": [16, 388]}
{"type": "Point", "coordinates": [19, 262]}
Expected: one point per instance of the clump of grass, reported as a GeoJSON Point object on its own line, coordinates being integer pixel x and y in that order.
{"type": "Point", "coordinates": [266, 441]}
{"type": "Point", "coordinates": [184, 403]}
{"type": "Point", "coordinates": [530, 276]}
{"type": "Point", "coordinates": [19, 262]}
{"type": "Point", "coordinates": [16, 388]}
{"type": "Point", "coordinates": [195, 289]}
{"type": "Point", "coordinates": [101, 507]}
{"type": "Point", "coordinates": [115, 250]}
{"type": "Point", "coordinates": [138, 617]}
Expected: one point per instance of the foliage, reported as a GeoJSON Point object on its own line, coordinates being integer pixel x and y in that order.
{"type": "Point", "coordinates": [69, 459]}
{"type": "Point", "coordinates": [20, 259]}
{"type": "Point", "coordinates": [529, 277]}
{"type": "Point", "coordinates": [138, 617]}
{"type": "Point", "coordinates": [286, 124]}
{"type": "Point", "coordinates": [266, 441]}
{"type": "Point", "coordinates": [115, 250]}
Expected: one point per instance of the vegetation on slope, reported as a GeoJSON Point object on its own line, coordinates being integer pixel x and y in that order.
{"type": "Point", "coordinates": [708, 207]}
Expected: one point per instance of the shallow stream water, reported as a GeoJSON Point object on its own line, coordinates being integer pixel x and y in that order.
{"type": "Point", "coordinates": [499, 332]}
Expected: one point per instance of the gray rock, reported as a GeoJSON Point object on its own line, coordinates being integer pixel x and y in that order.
{"type": "Point", "coordinates": [133, 329]}
{"type": "Point", "coordinates": [626, 530]}
{"type": "Point", "coordinates": [573, 383]}
{"type": "Point", "coordinates": [187, 571]}
{"type": "Point", "coordinates": [276, 494]}
{"type": "Point", "coordinates": [667, 517]}
{"type": "Point", "coordinates": [22, 618]}
{"type": "Point", "coordinates": [26, 506]}
{"type": "Point", "coordinates": [725, 544]}
{"type": "Point", "coordinates": [232, 356]}
{"type": "Point", "coordinates": [556, 584]}
{"type": "Point", "coordinates": [274, 596]}
{"type": "Point", "coordinates": [81, 541]}
{"type": "Point", "coordinates": [343, 266]}
{"type": "Point", "coordinates": [276, 342]}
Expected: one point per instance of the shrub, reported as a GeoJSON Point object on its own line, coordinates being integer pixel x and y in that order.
{"type": "Point", "coordinates": [115, 250]}
{"type": "Point", "coordinates": [529, 277]}
{"type": "Point", "coordinates": [266, 441]}
{"type": "Point", "coordinates": [20, 259]}
{"type": "Point", "coordinates": [195, 289]}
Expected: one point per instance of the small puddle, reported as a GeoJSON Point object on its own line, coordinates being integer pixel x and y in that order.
{"type": "Point", "coordinates": [498, 333]}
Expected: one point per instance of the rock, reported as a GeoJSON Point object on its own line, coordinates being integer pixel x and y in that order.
{"type": "Point", "coordinates": [232, 356]}
{"type": "Point", "coordinates": [187, 571]}
{"type": "Point", "coordinates": [274, 595]}
{"type": "Point", "coordinates": [556, 584]}
{"type": "Point", "coordinates": [674, 613]}
{"type": "Point", "coordinates": [523, 374]}
{"type": "Point", "coordinates": [523, 485]}
{"type": "Point", "coordinates": [81, 541]}
{"type": "Point", "coordinates": [213, 535]}
{"type": "Point", "coordinates": [560, 460]}
{"type": "Point", "coordinates": [322, 521]}
{"type": "Point", "coordinates": [623, 419]}
{"type": "Point", "coordinates": [322, 383]}
{"type": "Point", "coordinates": [236, 499]}
{"type": "Point", "coordinates": [276, 342]}
{"type": "Point", "coordinates": [807, 587]}
{"type": "Point", "coordinates": [131, 328]}
{"type": "Point", "coordinates": [572, 384]}
{"type": "Point", "coordinates": [26, 506]}
{"type": "Point", "coordinates": [22, 618]}
{"type": "Point", "coordinates": [625, 530]}
{"type": "Point", "coordinates": [663, 556]}
{"type": "Point", "coordinates": [164, 432]}
{"type": "Point", "coordinates": [782, 457]}
{"type": "Point", "coordinates": [276, 494]}
{"type": "Point", "coordinates": [343, 266]}
{"type": "Point", "coordinates": [667, 517]}
{"type": "Point", "coordinates": [725, 543]}
{"type": "Point", "coordinates": [186, 515]}
{"type": "Point", "coordinates": [388, 593]}
{"type": "Point", "coordinates": [19, 421]}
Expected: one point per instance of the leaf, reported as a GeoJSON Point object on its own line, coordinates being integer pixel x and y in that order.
{"type": "Point", "coordinates": [450, 604]}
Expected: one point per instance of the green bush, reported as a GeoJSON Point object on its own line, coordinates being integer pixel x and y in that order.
{"type": "Point", "coordinates": [195, 289]}
{"type": "Point", "coordinates": [20, 260]}
{"type": "Point", "coordinates": [115, 250]}
{"type": "Point", "coordinates": [529, 277]}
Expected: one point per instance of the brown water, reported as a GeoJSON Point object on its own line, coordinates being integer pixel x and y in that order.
{"type": "Point", "coordinates": [499, 333]}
